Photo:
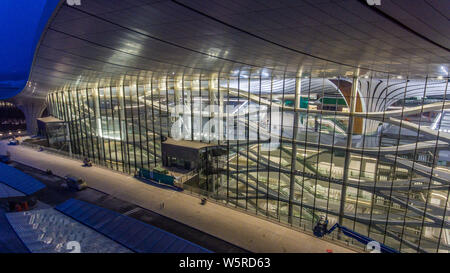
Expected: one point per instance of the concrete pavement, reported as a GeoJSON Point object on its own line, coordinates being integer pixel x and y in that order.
{"type": "Point", "coordinates": [244, 230]}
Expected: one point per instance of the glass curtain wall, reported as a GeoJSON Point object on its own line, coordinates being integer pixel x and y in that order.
{"type": "Point", "coordinates": [369, 153]}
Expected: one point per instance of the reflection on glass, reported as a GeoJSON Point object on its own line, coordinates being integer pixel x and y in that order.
{"type": "Point", "coordinates": [373, 157]}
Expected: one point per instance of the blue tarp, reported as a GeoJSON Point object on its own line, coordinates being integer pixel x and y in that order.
{"type": "Point", "coordinates": [134, 234]}
{"type": "Point", "coordinates": [18, 180]}
{"type": "Point", "coordinates": [8, 192]}
{"type": "Point", "coordinates": [9, 241]}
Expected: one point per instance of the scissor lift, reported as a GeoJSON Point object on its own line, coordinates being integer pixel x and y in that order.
{"type": "Point", "coordinates": [321, 229]}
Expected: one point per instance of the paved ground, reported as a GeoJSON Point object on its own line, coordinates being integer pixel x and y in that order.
{"type": "Point", "coordinates": [55, 194]}
{"type": "Point", "coordinates": [246, 231]}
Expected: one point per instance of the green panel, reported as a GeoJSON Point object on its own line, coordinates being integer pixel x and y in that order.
{"type": "Point", "coordinates": [304, 102]}
{"type": "Point", "coordinates": [161, 178]}
{"type": "Point", "coordinates": [333, 101]}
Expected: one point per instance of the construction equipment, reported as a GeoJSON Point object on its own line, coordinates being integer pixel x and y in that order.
{"type": "Point", "coordinates": [87, 162]}
{"type": "Point", "coordinates": [13, 142]}
{"type": "Point", "coordinates": [321, 229]}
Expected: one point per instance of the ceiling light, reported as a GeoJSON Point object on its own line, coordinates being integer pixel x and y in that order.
{"type": "Point", "coordinates": [264, 73]}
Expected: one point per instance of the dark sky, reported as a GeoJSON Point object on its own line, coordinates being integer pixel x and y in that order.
{"type": "Point", "coordinates": [21, 25]}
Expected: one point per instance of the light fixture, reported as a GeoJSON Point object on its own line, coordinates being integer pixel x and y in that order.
{"type": "Point", "coordinates": [264, 73]}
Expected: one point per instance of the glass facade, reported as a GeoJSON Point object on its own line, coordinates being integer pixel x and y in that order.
{"type": "Point", "coordinates": [371, 154]}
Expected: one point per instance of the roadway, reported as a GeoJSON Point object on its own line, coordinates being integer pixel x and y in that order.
{"type": "Point", "coordinates": [246, 231]}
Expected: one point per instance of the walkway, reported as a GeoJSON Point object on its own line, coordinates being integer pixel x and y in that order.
{"type": "Point", "coordinates": [249, 232]}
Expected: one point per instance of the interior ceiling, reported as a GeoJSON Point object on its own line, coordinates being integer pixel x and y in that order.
{"type": "Point", "coordinates": [111, 38]}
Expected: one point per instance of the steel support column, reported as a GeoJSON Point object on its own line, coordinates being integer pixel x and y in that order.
{"type": "Point", "coordinates": [351, 120]}
{"type": "Point", "coordinates": [298, 87]}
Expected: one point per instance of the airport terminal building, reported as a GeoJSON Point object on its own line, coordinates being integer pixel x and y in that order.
{"type": "Point", "coordinates": [290, 110]}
